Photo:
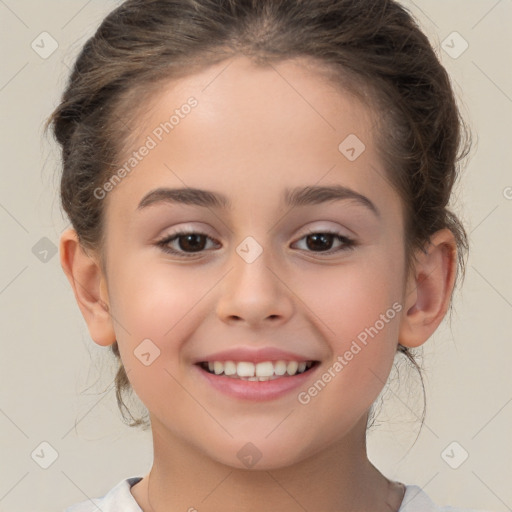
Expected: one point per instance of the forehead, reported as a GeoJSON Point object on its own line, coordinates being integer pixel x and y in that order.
{"type": "Point", "coordinates": [244, 98]}
{"type": "Point", "coordinates": [248, 129]}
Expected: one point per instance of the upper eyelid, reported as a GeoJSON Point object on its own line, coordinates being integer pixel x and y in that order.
{"type": "Point", "coordinates": [338, 229]}
{"type": "Point", "coordinates": [332, 231]}
{"type": "Point", "coordinates": [187, 231]}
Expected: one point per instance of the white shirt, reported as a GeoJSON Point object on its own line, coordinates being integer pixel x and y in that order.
{"type": "Point", "coordinates": [120, 499]}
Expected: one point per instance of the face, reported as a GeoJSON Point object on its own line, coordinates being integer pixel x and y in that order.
{"type": "Point", "coordinates": [276, 271]}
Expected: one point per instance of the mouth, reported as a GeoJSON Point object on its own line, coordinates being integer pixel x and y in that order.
{"type": "Point", "coordinates": [263, 374]}
{"type": "Point", "coordinates": [257, 371]}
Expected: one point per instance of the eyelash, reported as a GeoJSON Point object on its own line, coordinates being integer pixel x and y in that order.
{"type": "Point", "coordinates": [348, 243]}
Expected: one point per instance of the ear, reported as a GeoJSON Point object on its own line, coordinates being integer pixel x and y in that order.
{"type": "Point", "coordinates": [89, 286]}
{"type": "Point", "coordinates": [429, 289]}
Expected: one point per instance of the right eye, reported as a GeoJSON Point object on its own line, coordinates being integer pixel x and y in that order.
{"type": "Point", "coordinates": [188, 243]}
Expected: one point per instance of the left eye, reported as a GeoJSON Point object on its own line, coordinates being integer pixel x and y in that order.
{"type": "Point", "coordinates": [322, 242]}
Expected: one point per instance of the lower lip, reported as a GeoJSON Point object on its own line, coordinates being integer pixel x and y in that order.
{"type": "Point", "coordinates": [256, 390]}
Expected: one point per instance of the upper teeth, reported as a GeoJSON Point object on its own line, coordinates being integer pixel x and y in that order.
{"type": "Point", "coordinates": [266, 370]}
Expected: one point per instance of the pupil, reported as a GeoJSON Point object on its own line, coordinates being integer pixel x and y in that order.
{"type": "Point", "coordinates": [190, 246]}
{"type": "Point", "coordinates": [325, 238]}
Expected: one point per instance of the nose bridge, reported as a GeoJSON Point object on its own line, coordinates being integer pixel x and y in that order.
{"type": "Point", "coordinates": [252, 291]}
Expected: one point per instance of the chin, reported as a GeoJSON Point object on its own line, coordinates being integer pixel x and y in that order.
{"type": "Point", "coordinates": [260, 455]}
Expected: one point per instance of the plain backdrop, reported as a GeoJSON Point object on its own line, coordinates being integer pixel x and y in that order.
{"type": "Point", "coordinates": [56, 384]}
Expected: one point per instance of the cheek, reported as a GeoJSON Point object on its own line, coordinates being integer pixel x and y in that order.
{"type": "Point", "coordinates": [360, 320]}
{"type": "Point", "coordinates": [151, 300]}
{"type": "Point", "coordinates": [152, 306]}
{"type": "Point", "coordinates": [350, 298]}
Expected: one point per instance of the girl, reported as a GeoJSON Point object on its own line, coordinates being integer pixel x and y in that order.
{"type": "Point", "coordinates": [258, 191]}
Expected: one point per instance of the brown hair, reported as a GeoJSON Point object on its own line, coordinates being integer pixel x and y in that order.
{"type": "Point", "coordinates": [374, 48]}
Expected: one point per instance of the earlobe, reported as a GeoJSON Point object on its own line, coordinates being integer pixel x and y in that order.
{"type": "Point", "coordinates": [89, 286]}
{"type": "Point", "coordinates": [429, 289]}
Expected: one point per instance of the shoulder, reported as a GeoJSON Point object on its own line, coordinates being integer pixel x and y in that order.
{"type": "Point", "coordinates": [416, 500]}
{"type": "Point", "coordinates": [118, 499]}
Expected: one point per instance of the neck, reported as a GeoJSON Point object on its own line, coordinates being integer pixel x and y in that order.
{"type": "Point", "coordinates": [340, 478]}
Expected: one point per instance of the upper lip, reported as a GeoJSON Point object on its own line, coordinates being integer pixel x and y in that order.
{"type": "Point", "coordinates": [254, 355]}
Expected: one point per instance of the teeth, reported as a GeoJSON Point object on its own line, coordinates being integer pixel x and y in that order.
{"type": "Point", "coordinates": [218, 367]}
{"type": "Point", "coordinates": [280, 368]}
{"type": "Point", "coordinates": [229, 368]}
{"type": "Point", "coordinates": [267, 370]}
{"type": "Point", "coordinates": [292, 368]}
{"type": "Point", "coordinates": [244, 369]}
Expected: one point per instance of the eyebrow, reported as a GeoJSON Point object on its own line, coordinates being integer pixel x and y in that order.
{"type": "Point", "coordinates": [299, 196]}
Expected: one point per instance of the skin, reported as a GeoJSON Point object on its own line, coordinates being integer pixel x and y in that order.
{"type": "Point", "coordinates": [251, 136]}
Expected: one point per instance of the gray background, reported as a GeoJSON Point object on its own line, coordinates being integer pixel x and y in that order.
{"type": "Point", "coordinates": [57, 384]}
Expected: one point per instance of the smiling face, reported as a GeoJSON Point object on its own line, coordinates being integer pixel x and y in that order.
{"type": "Point", "coordinates": [272, 273]}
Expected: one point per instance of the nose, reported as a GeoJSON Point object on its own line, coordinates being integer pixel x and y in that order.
{"type": "Point", "coordinates": [254, 293]}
